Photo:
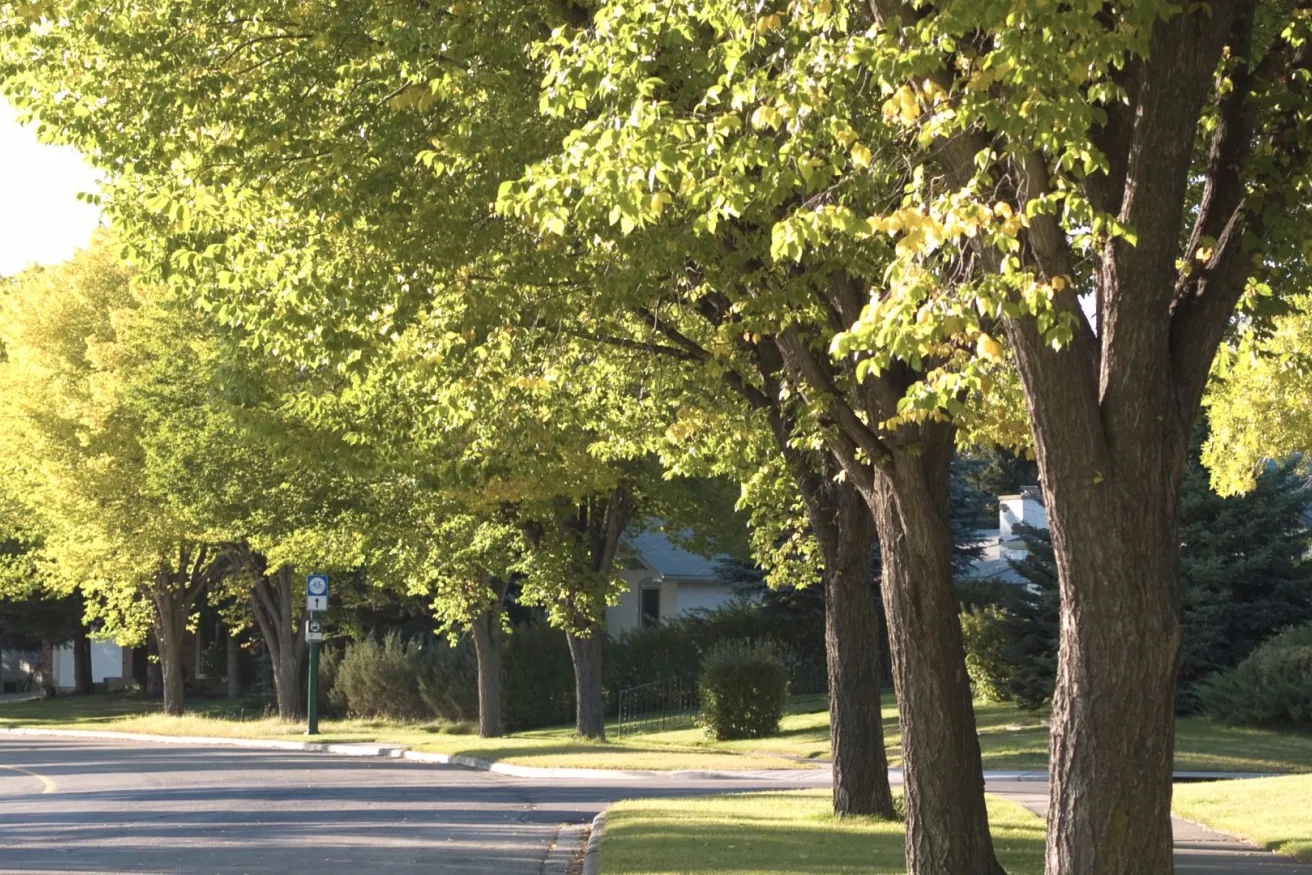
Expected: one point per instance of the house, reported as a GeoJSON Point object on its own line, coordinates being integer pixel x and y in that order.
{"type": "Point", "coordinates": [1002, 545]}
{"type": "Point", "coordinates": [19, 668]}
{"type": "Point", "coordinates": [663, 581]}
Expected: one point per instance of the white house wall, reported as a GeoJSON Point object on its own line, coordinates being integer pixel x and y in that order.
{"type": "Point", "coordinates": [677, 597]}
{"type": "Point", "coordinates": [106, 662]}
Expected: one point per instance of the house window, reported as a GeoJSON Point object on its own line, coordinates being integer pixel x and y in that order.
{"type": "Point", "coordinates": [649, 609]}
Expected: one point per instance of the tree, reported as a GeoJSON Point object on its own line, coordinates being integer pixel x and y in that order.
{"type": "Point", "coordinates": [693, 268]}
{"type": "Point", "coordinates": [1145, 158]}
{"type": "Point", "coordinates": [374, 261]}
{"type": "Point", "coordinates": [78, 448]}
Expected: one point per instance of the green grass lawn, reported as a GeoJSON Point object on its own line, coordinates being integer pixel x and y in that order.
{"type": "Point", "coordinates": [547, 748]}
{"type": "Point", "coordinates": [789, 833]}
{"type": "Point", "coordinates": [1009, 738]}
{"type": "Point", "coordinates": [1273, 813]}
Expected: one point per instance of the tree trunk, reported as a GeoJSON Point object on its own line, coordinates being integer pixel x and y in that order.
{"type": "Point", "coordinates": [170, 629]}
{"type": "Point", "coordinates": [845, 531]}
{"type": "Point", "coordinates": [287, 683]}
{"type": "Point", "coordinates": [487, 646]}
{"type": "Point", "coordinates": [589, 700]}
{"type": "Point", "coordinates": [82, 682]}
{"type": "Point", "coordinates": [947, 823]}
{"type": "Point", "coordinates": [273, 603]}
{"type": "Point", "coordinates": [1113, 714]}
{"type": "Point", "coordinates": [234, 666]}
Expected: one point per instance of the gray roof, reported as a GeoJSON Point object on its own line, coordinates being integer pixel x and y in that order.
{"type": "Point", "coordinates": [670, 561]}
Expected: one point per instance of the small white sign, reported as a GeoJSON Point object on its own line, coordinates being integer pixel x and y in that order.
{"type": "Point", "coordinates": [313, 630]}
{"type": "Point", "coordinates": [316, 602]}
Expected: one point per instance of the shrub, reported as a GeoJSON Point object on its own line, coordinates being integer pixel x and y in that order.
{"type": "Point", "coordinates": [537, 680]}
{"type": "Point", "coordinates": [988, 652]}
{"type": "Point", "coordinates": [448, 680]}
{"type": "Point", "coordinates": [380, 679]}
{"type": "Point", "coordinates": [1271, 688]}
{"type": "Point", "coordinates": [744, 688]}
{"type": "Point", "coordinates": [676, 648]}
{"type": "Point", "coordinates": [332, 702]}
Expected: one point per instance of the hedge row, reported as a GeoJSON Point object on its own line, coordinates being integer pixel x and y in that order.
{"type": "Point", "coordinates": [427, 679]}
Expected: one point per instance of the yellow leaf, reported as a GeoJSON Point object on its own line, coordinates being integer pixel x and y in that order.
{"type": "Point", "coordinates": [861, 155]}
{"type": "Point", "coordinates": [988, 347]}
{"type": "Point", "coordinates": [769, 22]}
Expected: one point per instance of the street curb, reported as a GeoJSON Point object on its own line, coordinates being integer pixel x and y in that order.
{"type": "Point", "coordinates": [591, 857]}
{"type": "Point", "coordinates": [392, 751]}
{"type": "Point", "coordinates": [564, 850]}
{"type": "Point", "coordinates": [398, 752]}
{"type": "Point", "coordinates": [349, 750]}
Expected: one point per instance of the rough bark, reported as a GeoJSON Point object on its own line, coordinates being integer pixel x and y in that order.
{"type": "Point", "coordinates": [487, 646]}
{"type": "Point", "coordinates": [486, 630]}
{"type": "Point", "coordinates": [170, 630]}
{"type": "Point", "coordinates": [1113, 713]}
{"type": "Point", "coordinates": [233, 665]}
{"type": "Point", "coordinates": [274, 605]}
{"type": "Point", "coordinates": [589, 700]}
{"type": "Point", "coordinates": [82, 683]}
{"type": "Point", "coordinates": [947, 823]}
{"type": "Point", "coordinates": [845, 531]}
{"type": "Point", "coordinates": [903, 476]}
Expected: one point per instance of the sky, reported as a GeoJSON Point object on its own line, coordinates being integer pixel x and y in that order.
{"type": "Point", "coordinates": [41, 219]}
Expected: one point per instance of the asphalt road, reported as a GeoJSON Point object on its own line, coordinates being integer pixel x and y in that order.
{"type": "Point", "coordinates": [78, 806]}
{"type": "Point", "coordinates": [82, 806]}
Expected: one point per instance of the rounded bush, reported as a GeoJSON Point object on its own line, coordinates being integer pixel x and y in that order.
{"type": "Point", "coordinates": [744, 687]}
{"type": "Point", "coordinates": [381, 679]}
{"type": "Point", "coordinates": [1271, 688]}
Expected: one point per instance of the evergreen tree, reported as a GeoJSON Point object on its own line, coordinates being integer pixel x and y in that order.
{"type": "Point", "coordinates": [1243, 576]}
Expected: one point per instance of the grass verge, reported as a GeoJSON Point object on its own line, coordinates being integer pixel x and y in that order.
{"type": "Point", "coordinates": [546, 748]}
{"type": "Point", "coordinates": [1272, 813]}
{"type": "Point", "coordinates": [788, 833]}
{"type": "Point", "coordinates": [1010, 739]}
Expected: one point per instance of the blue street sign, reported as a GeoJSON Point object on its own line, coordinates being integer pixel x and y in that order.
{"type": "Point", "coordinates": [316, 584]}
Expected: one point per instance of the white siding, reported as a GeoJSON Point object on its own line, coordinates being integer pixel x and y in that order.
{"type": "Point", "coordinates": [106, 662]}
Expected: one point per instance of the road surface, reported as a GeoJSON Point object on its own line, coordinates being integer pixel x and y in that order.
{"type": "Point", "coordinates": [82, 806]}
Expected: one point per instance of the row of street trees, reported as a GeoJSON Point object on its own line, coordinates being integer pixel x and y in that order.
{"type": "Point", "coordinates": [519, 252]}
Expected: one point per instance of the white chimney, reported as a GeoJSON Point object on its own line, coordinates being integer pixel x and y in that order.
{"type": "Point", "coordinates": [1025, 508]}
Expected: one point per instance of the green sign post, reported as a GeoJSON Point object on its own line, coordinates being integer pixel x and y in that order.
{"type": "Point", "coordinates": [316, 600]}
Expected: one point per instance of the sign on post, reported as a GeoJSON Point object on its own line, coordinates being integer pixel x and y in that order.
{"type": "Point", "coordinates": [316, 592]}
{"type": "Point", "coordinates": [314, 630]}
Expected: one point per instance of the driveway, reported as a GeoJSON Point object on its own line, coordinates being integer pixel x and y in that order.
{"type": "Point", "coordinates": [87, 806]}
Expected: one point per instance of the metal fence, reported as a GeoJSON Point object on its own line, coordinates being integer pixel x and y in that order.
{"type": "Point", "coordinates": [658, 706]}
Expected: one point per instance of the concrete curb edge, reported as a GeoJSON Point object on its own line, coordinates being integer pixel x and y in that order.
{"type": "Point", "coordinates": [392, 751]}
{"type": "Point", "coordinates": [591, 857]}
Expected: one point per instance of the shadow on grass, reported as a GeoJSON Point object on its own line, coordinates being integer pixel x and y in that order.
{"type": "Point", "coordinates": [788, 833]}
